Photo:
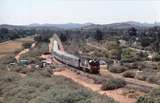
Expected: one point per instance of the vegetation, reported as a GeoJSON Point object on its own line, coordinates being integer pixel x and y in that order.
{"type": "Point", "coordinates": [8, 59]}
{"type": "Point", "coordinates": [98, 79]}
{"type": "Point", "coordinates": [38, 88]}
{"type": "Point", "coordinates": [128, 53]}
{"type": "Point", "coordinates": [117, 68]}
{"type": "Point", "coordinates": [42, 87]}
{"type": "Point", "coordinates": [129, 74]}
{"type": "Point", "coordinates": [63, 37]}
{"type": "Point", "coordinates": [11, 34]}
{"type": "Point", "coordinates": [98, 35]}
{"type": "Point", "coordinates": [35, 53]}
{"type": "Point", "coordinates": [152, 97]}
{"type": "Point", "coordinates": [26, 45]}
{"type": "Point", "coordinates": [113, 83]}
{"type": "Point", "coordinates": [141, 76]}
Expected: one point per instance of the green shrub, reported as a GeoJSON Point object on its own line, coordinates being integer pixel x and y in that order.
{"type": "Point", "coordinates": [36, 52]}
{"type": "Point", "coordinates": [152, 97]}
{"type": "Point", "coordinates": [152, 79]}
{"type": "Point", "coordinates": [127, 53]}
{"type": "Point", "coordinates": [140, 76]}
{"type": "Point", "coordinates": [45, 87]}
{"type": "Point", "coordinates": [26, 45]}
{"type": "Point", "coordinates": [145, 99]}
{"type": "Point", "coordinates": [117, 69]}
{"type": "Point", "coordinates": [46, 73]}
{"type": "Point", "coordinates": [129, 74]}
{"type": "Point", "coordinates": [134, 65]}
{"type": "Point", "coordinates": [102, 99]}
{"type": "Point", "coordinates": [8, 59]}
{"type": "Point", "coordinates": [113, 84]}
{"type": "Point", "coordinates": [97, 79]}
{"type": "Point", "coordinates": [156, 58]}
{"type": "Point", "coordinates": [8, 77]}
{"type": "Point", "coordinates": [112, 45]}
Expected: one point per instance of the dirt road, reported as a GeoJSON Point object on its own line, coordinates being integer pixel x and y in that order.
{"type": "Point", "coordinates": [23, 52]}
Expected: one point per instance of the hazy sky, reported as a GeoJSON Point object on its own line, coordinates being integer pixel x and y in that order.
{"type": "Point", "coordinates": [78, 11]}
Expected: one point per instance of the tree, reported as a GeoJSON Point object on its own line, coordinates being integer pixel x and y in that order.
{"type": "Point", "coordinates": [156, 34]}
{"type": "Point", "coordinates": [4, 30]}
{"type": "Point", "coordinates": [63, 37]}
{"type": "Point", "coordinates": [98, 35]}
{"type": "Point", "coordinates": [145, 42]}
{"type": "Point", "coordinates": [4, 34]}
{"type": "Point", "coordinates": [42, 37]}
{"type": "Point", "coordinates": [26, 45]}
{"type": "Point", "coordinates": [132, 31]}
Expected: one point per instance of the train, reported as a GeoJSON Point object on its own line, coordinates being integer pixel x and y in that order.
{"type": "Point", "coordinates": [85, 64]}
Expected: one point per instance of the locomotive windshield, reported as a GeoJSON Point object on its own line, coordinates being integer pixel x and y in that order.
{"type": "Point", "coordinates": [94, 62]}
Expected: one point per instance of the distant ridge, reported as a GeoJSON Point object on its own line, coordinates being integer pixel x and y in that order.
{"type": "Point", "coordinates": [120, 25]}
{"type": "Point", "coordinates": [63, 26]}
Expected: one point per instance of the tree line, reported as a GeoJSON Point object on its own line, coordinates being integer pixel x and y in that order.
{"type": "Point", "coordinates": [147, 37]}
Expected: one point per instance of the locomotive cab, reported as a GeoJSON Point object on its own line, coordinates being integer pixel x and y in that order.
{"type": "Point", "coordinates": [94, 66]}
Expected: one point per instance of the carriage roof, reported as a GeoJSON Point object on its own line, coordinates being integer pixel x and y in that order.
{"type": "Point", "coordinates": [66, 54]}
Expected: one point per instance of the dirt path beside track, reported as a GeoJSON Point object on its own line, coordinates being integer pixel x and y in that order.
{"type": "Point", "coordinates": [88, 83]}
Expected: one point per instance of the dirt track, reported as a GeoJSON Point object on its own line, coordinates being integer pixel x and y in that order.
{"type": "Point", "coordinates": [88, 83]}
{"type": "Point", "coordinates": [24, 51]}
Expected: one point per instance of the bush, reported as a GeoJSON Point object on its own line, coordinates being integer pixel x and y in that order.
{"type": "Point", "coordinates": [97, 79]}
{"type": "Point", "coordinates": [146, 99]}
{"type": "Point", "coordinates": [152, 79]}
{"type": "Point", "coordinates": [127, 53]}
{"type": "Point", "coordinates": [7, 59]}
{"type": "Point", "coordinates": [152, 97]}
{"type": "Point", "coordinates": [8, 77]}
{"type": "Point", "coordinates": [156, 58]}
{"type": "Point", "coordinates": [113, 84]}
{"type": "Point", "coordinates": [117, 69]}
{"type": "Point", "coordinates": [26, 45]}
{"type": "Point", "coordinates": [36, 52]}
{"type": "Point", "coordinates": [46, 73]}
{"type": "Point", "coordinates": [134, 65]}
{"type": "Point", "coordinates": [18, 51]}
{"type": "Point", "coordinates": [140, 76]}
{"type": "Point", "coordinates": [129, 74]}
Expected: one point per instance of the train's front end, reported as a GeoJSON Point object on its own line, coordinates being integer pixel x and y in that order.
{"type": "Point", "coordinates": [94, 66]}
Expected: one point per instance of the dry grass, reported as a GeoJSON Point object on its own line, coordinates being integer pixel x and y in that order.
{"type": "Point", "coordinates": [10, 46]}
{"type": "Point", "coordinates": [37, 87]}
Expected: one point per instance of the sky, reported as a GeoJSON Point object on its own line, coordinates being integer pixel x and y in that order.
{"type": "Point", "coordinates": [23, 12]}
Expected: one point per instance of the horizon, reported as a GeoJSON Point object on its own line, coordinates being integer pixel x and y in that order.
{"type": "Point", "coordinates": [80, 23]}
{"type": "Point", "coordinates": [26, 12]}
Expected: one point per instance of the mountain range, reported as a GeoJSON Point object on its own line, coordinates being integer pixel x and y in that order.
{"type": "Point", "coordinates": [85, 25]}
